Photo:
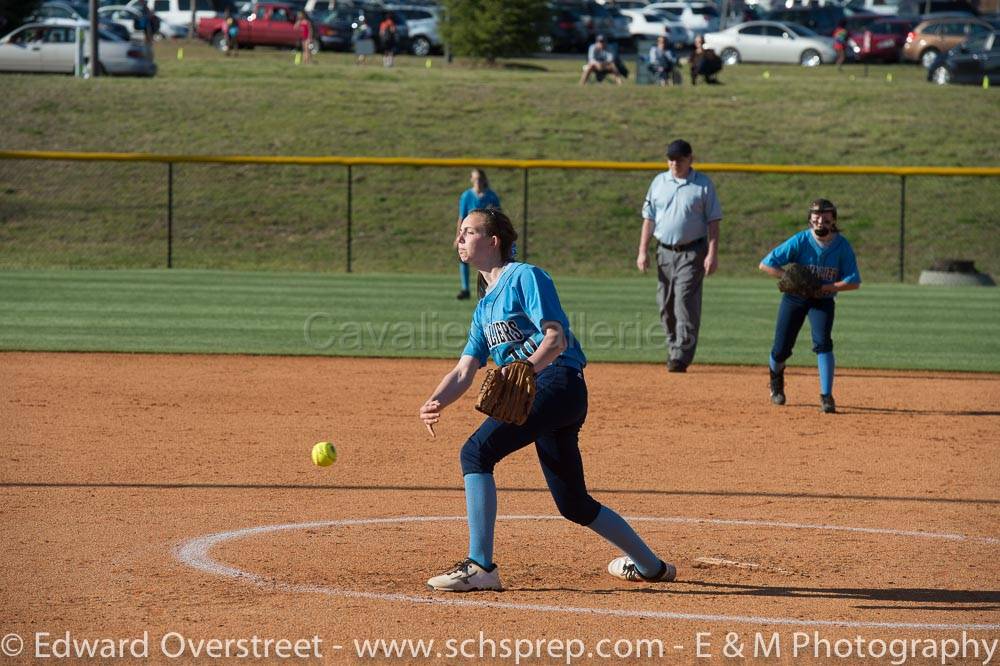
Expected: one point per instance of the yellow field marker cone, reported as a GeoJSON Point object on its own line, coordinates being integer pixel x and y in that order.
{"type": "Point", "coordinates": [851, 77]}
{"type": "Point", "coordinates": [986, 83]}
{"type": "Point", "coordinates": [766, 74]}
{"type": "Point", "coordinates": [298, 58]}
{"type": "Point", "coordinates": [427, 63]}
{"type": "Point", "coordinates": [180, 53]}
{"type": "Point", "coordinates": [888, 77]}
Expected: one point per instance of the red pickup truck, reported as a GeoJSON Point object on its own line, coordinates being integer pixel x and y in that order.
{"type": "Point", "coordinates": [270, 24]}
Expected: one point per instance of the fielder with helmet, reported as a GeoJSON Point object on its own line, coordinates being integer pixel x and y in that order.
{"type": "Point", "coordinates": [812, 266]}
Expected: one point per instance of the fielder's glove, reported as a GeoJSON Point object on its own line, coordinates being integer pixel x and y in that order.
{"type": "Point", "coordinates": [508, 392]}
{"type": "Point", "coordinates": [800, 281]}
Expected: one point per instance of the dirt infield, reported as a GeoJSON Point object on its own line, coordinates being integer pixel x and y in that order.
{"type": "Point", "coordinates": [882, 521]}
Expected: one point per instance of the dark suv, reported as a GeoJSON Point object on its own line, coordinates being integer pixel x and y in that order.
{"type": "Point", "coordinates": [567, 31]}
{"type": "Point", "coordinates": [333, 28]}
{"type": "Point", "coordinates": [822, 20]}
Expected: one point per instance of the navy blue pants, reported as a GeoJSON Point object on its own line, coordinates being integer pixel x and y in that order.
{"type": "Point", "coordinates": [792, 312]}
{"type": "Point", "coordinates": [554, 424]}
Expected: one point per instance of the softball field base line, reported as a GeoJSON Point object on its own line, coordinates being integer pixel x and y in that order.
{"type": "Point", "coordinates": [195, 553]}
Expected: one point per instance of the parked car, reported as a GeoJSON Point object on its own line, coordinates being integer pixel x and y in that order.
{"type": "Point", "coordinates": [178, 12]}
{"type": "Point", "coordinates": [55, 11]}
{"type": "Point", "coordinates": [697, 17]}
{"type": "Point", "coordinates": [931, 38]}
{"type": "Point", "coordinates": [881, 39]}
{"type": "Point", "coordinates": [821, 20]}
{"type": "Point", "coordinates": [51, 47]}
{"type": "Point", "coordinates": [422, 26]}
{"type": "Point", "coordinates": [567, 31]}
{"type": "Point", "coordinates": [333, 28]}
{"type": "Point", "coordinates": [771, 41]}
{"type": "Point", "coordinates": [969, 62]}
{"type": "Point", "coordinates": [271, 24]}
{"type": "Point", "coordinates": [127, 17]}
{"type": "Point", "coordinates": [884, 7]}
{"type": "Point", "coordinates": [600, 20]}
{"type": "Point", "coordinates": [650, 23]}
{"type": "Point", "coordinates": [923, 7]}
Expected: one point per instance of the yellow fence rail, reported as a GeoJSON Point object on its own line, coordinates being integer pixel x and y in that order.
{"type": "Point", "coordinates": [902, 172]}
{"type": "Point", "coordinates": [731, 167]}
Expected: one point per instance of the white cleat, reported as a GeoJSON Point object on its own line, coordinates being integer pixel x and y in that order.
{"type": "Point", "coordinates": [623, 567]}
{"type": "Point", "coordinates": [467, 576]}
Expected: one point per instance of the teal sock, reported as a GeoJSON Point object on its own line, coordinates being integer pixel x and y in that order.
{"type": "Point", "coordinates": [613, 527]}
{"type": "Point", "coordinates": [826, 364]}
{"type": "Point", "coordinates": [463, 274]}
{"type": "Point", "coordinates": [481, 507]}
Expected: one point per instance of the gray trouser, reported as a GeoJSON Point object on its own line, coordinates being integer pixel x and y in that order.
{"type": "Point", "coordinates": [680, 277]}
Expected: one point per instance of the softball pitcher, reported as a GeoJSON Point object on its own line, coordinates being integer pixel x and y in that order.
{"type": "Point", "coordinates": [519, 318]}
{"type": "Point", "coordinates": [828, 255]}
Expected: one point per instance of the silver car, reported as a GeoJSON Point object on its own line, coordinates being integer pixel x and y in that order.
{"type": "Point", "coordinates": [129, 17]}
{"type": "Point", "coordinates": [771, 41]}
{"type": "Point", "coordinates": [48, 47]}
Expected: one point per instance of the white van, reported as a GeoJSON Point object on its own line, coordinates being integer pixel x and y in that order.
{"type": "Point", "coordinates": [178, 12]}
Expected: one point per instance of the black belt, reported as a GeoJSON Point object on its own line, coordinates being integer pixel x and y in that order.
{"type": "Point", "coordinates": [681, 247]}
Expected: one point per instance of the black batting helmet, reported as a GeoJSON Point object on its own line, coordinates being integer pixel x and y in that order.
{"type": "Point", "coordinates": [823, 206]}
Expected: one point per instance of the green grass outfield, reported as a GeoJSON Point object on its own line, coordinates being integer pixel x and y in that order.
{"type": "Point", "coordinates": [99, 215]}
{"type": "Point", "coordinates": [880, 326]}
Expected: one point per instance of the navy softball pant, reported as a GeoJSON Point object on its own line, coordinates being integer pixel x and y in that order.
{"type": "Point", "coordinates": [792, 313]}
{"type": "Point", "coordinates": [554, 424]}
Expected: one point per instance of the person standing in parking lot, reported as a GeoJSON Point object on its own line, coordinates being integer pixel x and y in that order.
{"type": "Point", "coordinates": [840, 37]}
{"type": "Point", "coordinates": [682, 212]}
{"type": "Point", "coordinates": [477, 197]}
{"type": "Point", "coordinates": [387, 39]}
{"type": "Point", "coordinates": [305, 29]}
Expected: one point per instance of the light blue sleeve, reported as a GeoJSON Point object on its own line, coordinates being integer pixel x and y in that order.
{"type": "Point", "coordinates": [541, 302]}
{"type": "Point", "coordinates": [476, 346]}
{"type": "Point", "coordinates": [713, 207]}
{"type": "Point", "coordinates": [647, 205]}
{"type": "Point", "coordinates": [783, 254]}
{"type": "Point", "coordinates": [463, 205]}
{"type": "Point", "coordinates": [849, 265]}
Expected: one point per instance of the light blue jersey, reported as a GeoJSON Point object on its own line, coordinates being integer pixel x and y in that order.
{"type": "Point", "coordinates": [507, 322]}
{"type": "Point", "coordinates": [832, 263]}
{"type": "Point", "coordinates": [469, 201]}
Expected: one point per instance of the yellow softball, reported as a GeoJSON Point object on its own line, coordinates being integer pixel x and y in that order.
{"type": "Point", "coordinates": [324, 454]}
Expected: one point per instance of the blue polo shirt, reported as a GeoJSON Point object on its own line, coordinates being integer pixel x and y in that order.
{"type": "Point", "coordinates": [469, 201]}
{"type": "Point", "coordinates": [507, 322]}
{"type": "Point", "coordinates": [681, 209]}
{"type": "Point", "coordinates": [831, 263]}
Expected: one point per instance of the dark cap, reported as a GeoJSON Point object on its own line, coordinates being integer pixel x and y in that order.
{"type": "Point", "coordinates": [822, 206]}
{"type": "Point", "coordinates": [678, 148]}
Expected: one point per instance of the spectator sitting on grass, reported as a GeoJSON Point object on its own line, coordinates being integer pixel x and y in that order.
{"type": "Point", "coordinates": [600, 62]}
{"type": "Point", "coordinates": [704, 62]}
{"type": "Point", "coordinates": [662, 61]}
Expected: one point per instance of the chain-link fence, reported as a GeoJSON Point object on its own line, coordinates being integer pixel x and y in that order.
{"type": "Point", "coordinates": [401, 218]}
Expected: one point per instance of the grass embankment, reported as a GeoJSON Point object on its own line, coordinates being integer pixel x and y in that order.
{"type": "Point", "coordinates": [584, 223]}
{"type": "Point", "coordinates": [884, 326]}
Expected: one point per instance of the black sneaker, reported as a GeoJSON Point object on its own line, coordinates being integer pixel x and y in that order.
{"type": "Point", "coordinates": [676, 366]}
{"type": "Point", "coordinates": [778, 387]}
{"type": "Point", "coordinates": [827, 405]}
{"type": "Point", "coordinates": [463, 295]}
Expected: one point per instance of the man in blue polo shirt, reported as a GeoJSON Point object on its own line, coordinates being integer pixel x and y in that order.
{"type": "Point", "coordinates": [682, 213]}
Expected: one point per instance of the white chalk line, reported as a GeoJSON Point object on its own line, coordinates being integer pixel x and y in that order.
{"type": "Point", "coordinates": [195, 553]}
